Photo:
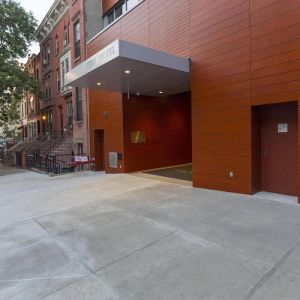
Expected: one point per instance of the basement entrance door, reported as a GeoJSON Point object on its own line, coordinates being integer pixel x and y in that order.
{"type": "Point", "coordinates": [99, 150]}
{"type": "Point", "coordinates": [279, 148]}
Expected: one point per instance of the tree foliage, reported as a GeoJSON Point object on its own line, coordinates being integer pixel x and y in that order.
{"type": "Point", "coordinates": [17, 29]}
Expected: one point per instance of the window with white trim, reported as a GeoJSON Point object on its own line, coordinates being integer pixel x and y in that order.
{"type": "Point", "coordinates": [65, 35]}
{"type": "Point", "coordinates": [58, 80]}
{"type": "Point", "coordinates": [77, 39]}
{"type": "Point", "coordinates": [56, 45]}
{"type": "Point", "coordinates": [64, 69]}
{"type": "Point", "coordinates": [117, 11]}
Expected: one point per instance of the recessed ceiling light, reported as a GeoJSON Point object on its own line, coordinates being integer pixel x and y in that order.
{"type": "Point", "coordinates": [160, 92]}
{"type": "Point", "coordinates": [99, 83]}
{"type": "Point", "coordinates": [127, 71]}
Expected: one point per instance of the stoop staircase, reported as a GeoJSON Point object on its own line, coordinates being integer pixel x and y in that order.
{"type": "Point", "coordinates": [12, 155]}
{"type": "Point", "coordinates": [61, 145]}
{"type": "Point", "coordinates": [50, 154]}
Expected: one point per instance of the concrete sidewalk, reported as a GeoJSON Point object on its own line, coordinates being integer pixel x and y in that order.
{"type": "Point", "coordinates": [94, 236]}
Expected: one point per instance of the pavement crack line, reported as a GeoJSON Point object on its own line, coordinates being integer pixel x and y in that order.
{"type": "Point", "coordinates": [59, 289]}
{"type": "Point", "coordinates": [43, 278]}
{"type": "Point", "coordinates": [56, 240]}
{"type": "Point", "coordinates": [136, 251]}
{"type": "Point", "coordinates": [270, 273]}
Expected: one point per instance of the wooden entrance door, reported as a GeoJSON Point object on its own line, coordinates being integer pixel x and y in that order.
{"type": "Point", "coordinates": [99, 150]}
{"type": "Point", "coordinates": [279, 148]}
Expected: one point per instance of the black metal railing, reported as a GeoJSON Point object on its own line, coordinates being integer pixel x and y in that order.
{"type": "Point", "coordinates": [46, 163]}
{"type": "Point", "coordinates": [59, 164]}
{"type": "Point", "coordinates": [56, 140]}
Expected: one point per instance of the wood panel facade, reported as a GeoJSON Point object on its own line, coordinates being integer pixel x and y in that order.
{"type": "Point", "coordinates": [107, 5]}
{"type": "Point", "coordinates": [244, 53]}
{"type": "Point", "coordinates": [166, 124]}
{"type": "Point", "coordinates": [221, 115]}
{"type": "Point", "coordinates": [106, 113]}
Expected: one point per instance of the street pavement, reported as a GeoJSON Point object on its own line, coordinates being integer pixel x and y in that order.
{"type": "Point", "coordinates": [94, 236]}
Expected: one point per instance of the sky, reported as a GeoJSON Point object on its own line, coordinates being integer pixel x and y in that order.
{"type": "Point", "coordinates": [39, 8]}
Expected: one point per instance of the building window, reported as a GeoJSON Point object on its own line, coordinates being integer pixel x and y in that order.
{"type": "Point", "coordinates": [78, 104]}
{"type": "Point", "coordinates": [49, 123]}
{"type": "Point", "coordinates": [114, 14]}
{"type": "Point", "coordinates": [131, 4]}
{"type": "Point", "coordinates": [63, 73]}
{"type": "Point", "coordinates": [31, 105]}
{"type": "Point", "coordinates": [56, 45]}
{"type": "Point", "coordinates": [58, 80]}
{"type": "Point", "coordinates": [69, 114]}
{"type": "Point", "coordinates": [47, 87]}
{"type": "Point", "coordinates": [80, 149]}
{"type": "Point", "coordinates": [67, 65]}
{"type": "Point", "coordinates": [77, 39]}
{"type": "Point", "coordinates": [25, 108]}
{"type": "Point", "coordinates": [44, 56]}
{"type": "Point", "coordinates": [64, 69]}
{"type": "Point", "coordinates": [48, 53]}
{"type": "Point", "coordinates": [65, 35]}
{"type": "Point", "coordinates": [118, 11]}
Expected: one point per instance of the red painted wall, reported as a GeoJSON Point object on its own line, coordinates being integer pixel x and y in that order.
{"type": "Point", "coordinates": [111, 103]}
{"type": "Point", "coordinates": [149, 25]}
{"type": "Point", "coordinates": [244, 53]}
{"type": "Point", "coordinates": [139, 26]}
{"type": "Point", "coordinates": [220, 53]}
{"type": "Point", "coordinates": [166, 122]}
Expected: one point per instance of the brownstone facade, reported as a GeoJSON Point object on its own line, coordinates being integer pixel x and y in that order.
{"type": "Point", "coordinates": [62, 41]}
{"type": "Point", "coordinates": [31, 119]}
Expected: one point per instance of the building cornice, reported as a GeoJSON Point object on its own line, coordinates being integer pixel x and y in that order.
{"type": "Point", "coordinates": [53, 16]}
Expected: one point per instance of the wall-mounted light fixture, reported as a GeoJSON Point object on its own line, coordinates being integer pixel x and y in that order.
{"type": "Point", "coordinates": [105, 114]}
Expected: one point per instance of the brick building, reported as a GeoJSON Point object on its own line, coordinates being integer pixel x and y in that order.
{"type": "Point", "coordinates": [31, 119]}
{"type": "Point", "coordinates": [62, 44]}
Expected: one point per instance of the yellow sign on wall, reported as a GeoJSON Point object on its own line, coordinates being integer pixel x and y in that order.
{"type": "Point", "coordinates": [138, 137]}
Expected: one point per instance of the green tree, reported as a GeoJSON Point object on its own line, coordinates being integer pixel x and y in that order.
{"type": "Point", "coordinates": [17, 29]}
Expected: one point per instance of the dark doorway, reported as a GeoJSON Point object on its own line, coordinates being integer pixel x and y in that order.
{"type": "Point", "coordinates": [275, 148]}
{"type": "Point", "coordinates": [99, 150]}
{"type": "Point", "coordinates": [61, 120]}
{"type": "Point", "coordinates": [38, 128]}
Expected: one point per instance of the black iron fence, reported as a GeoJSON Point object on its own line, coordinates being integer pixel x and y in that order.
{"type": "Point", "coordinates": [46, 163]}
{"type": "Point", "coordinates": [59, 164]}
